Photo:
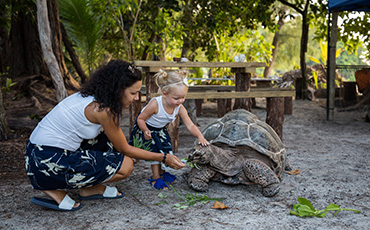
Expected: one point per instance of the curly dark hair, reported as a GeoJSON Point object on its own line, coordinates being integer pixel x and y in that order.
{"type": "Point", "coordinates": [107, 84]}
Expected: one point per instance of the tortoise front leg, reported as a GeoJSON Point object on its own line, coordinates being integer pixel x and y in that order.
{"type": "Point", "coordinates": [259, 173]}
{"type": "Point", "coordinates": [199, 178]}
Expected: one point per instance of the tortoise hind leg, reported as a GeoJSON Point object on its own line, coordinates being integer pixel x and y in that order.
{"type": "Point", "coordinates": [259, 173]}
{"type": "Point", "coordinates": [199, 178]}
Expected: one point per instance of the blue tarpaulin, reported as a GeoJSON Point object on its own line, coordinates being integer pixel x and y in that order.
{"type": "Point", "coordinates": [349, 5]}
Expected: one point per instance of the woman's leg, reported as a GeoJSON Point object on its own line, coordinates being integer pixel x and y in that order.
{"type": "Point", "coordinates": [124, 172]}
{"type": "Point", "coordinates": [58, 196]}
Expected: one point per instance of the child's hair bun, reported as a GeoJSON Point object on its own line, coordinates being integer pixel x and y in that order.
{"type": "Point", "coordinates": [166, 80]}
{"type": "Point", "coordinates": [161, 78]}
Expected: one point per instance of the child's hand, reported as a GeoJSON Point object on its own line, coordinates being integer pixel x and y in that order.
{"type": "Point", "coordinates": [147, 135]}
{"type": "Point", "coordinates": [202, 141]}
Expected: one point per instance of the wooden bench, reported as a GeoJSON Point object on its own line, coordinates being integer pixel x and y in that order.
{"type": "Point", "coordinates": [253, 93]}
{"type": "Point", "coordinates": [241, 92]}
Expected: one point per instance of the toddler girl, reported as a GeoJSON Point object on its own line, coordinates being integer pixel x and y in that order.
{"type": "Point", "coordinates": [151, 123]}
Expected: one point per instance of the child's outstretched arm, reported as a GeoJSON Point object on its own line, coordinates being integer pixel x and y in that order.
{"type": "Point", "coordinates": [150, 109]}
{"type": "Point", "coordinates": [193, 129]}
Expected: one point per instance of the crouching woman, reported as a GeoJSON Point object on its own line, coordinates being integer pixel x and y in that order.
{"type": "Point", "coordinates": [80, 145]}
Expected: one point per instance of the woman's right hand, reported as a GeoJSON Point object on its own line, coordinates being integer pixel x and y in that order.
{"type": "Point", "coordinates": [147, 135]}
{"type": "Point", "coordinates": [173, 162]}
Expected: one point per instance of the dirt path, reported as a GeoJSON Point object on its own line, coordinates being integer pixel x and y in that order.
{"type": "Point", "coordinates": [332, 158]}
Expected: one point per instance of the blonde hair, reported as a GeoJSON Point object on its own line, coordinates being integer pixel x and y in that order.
{"type": "Point", "coordinates": [168, 80]}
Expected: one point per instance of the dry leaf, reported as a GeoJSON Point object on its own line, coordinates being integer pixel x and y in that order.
{"type": "Point", "coordinates": [219, 205]}
{"type": "Point", "coordinates": [294, 172]}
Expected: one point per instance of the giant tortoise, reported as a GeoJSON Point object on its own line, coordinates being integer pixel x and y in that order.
{"type": "Point", "coordinates": [243, 150]}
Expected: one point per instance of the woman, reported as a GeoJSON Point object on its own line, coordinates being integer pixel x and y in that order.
{"type": "Point", "coordinates": [80, 145]}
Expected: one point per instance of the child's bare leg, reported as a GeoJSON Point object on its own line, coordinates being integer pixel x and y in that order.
{"type": "Point", "coordinates": [156, 171]}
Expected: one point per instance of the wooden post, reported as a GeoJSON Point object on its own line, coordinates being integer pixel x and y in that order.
{"type": "Point", "coordinates": [288, 105]}
{"type": "Point", "coordinates": [173, 130]}
{"type": "Point", "coordinates": [332, 47]}
{"type": "Point", "coordinates": [349, 93]}
{"type": "Point", "coordinates": [151, 86]}
{"type": "Point", "coordinates": [242, 83]}
{"type": "Point", "coordinates": [275, 114]}
{"type": "Point", "coordinates": [223, 105]}
{"type": "Point", "coordinates": [134, 110]}
{"type": "Point", "coordinates": [198, 105]}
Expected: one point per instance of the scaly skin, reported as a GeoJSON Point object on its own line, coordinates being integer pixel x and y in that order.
{"type": "Point", "coordinates": [199, 178]}
{"type": "Point", "coordinates": [259, 173]}
{"type": "Point", "coordinates": [212, 160]}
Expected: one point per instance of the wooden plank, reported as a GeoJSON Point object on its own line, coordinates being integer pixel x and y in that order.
{"type": "Point", "coordinates": [244, 70]}
{"type": "Point", "coordinates": [197, 88]}
{"type": "Point", "coordinates": [199, 64]}
{"type": "Point", "coordinates": [240, 94]}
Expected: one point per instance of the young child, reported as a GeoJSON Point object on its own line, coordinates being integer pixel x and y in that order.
{"type": "Point", "coordinates": [151, 123]}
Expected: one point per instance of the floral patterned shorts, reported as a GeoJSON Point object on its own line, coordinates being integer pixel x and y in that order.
{"type": "Point", "coordinates": [51, 168]}
{"type": "Point", "coordinates": [160, 142]}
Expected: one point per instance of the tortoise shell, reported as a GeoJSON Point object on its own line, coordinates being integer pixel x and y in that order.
{"type": "Point", "coordinates": [242, 128]}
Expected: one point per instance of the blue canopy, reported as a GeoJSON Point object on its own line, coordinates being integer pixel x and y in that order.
{"type": "Point", "coordinates": [349, 5]}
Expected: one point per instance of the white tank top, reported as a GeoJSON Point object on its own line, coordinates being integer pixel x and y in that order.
{"type": "Point", "coordinates": [65, 126]}
{"type": "Point", "coordinates": [162, 118]}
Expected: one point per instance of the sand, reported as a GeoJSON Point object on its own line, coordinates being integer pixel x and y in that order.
{"type": "Point", "coordinates": [333, 159]}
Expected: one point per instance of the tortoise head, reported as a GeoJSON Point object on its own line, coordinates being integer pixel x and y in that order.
{"type": "Point", "coordinates": [200, 155]}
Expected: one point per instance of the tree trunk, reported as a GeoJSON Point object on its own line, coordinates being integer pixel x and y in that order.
{"type": "Point", "coordinates": [56, 39]}
{"type": "Point", "coordinates": [301, 91]}
{"type": "Point", "coordinates": [304, 42]}
{"type": "Point", "coordinates": [47, 49]}
{"type": "Point", "coordinates": [4, 128]}
{"type": "Point", "coordinates": [275, 43]}
{"type": "Point", "coordinates": [187, 21]}
{"type": "Point", "coordinates": [4, 39]}
{"type": "Point", "coordinates": [25, 54]}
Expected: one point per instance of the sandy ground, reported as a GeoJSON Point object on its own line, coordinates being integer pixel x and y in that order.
{"type": "Point", "coordinates": [332, 158]}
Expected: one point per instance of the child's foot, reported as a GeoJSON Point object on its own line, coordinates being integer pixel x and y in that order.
{"type": "Point", "coordinates": [158, 183]}
{"type": "Point", "coordinates": [168, 177]}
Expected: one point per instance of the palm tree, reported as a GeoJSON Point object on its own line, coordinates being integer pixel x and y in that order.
{"type": "Point", "coordinates": [83, 28]}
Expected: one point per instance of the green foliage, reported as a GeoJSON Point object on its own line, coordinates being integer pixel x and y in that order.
{"type": "Point", "coordinates": [192, 199]}
{"type": "Point", "coordinates": [6, 89]}
{"type": "Point", "coordinates": [8, 84]}
{"type": "Point", "coordinates": [306, 209]}
{"type": "Point", "coordinates": [142, 144]}
{"type": "Point", "coordinates": [324, 54]}
{"type": "Point", "coordinates": [191, 164]}
{"type": "Point", "coordinates": [84, 28]}
{"type": "Point", "coordinates": [288, 49]}
{"type": "Point", "coordinates": [352, 31]}
{"type": "Point", "coordinates": [35, 117]}
{"type": "Point", "coordinates": [315, 78]}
